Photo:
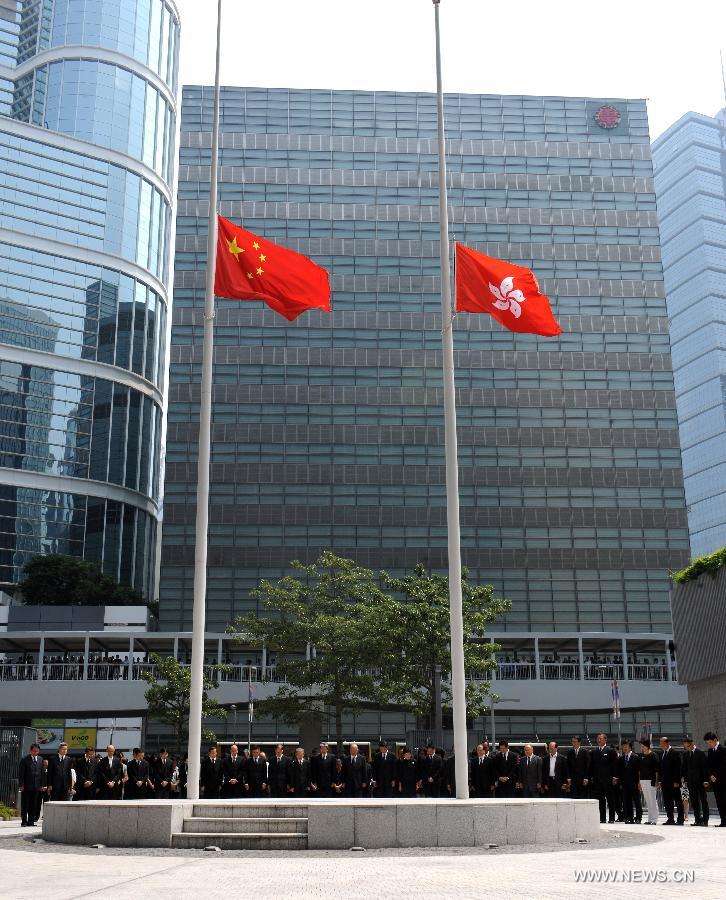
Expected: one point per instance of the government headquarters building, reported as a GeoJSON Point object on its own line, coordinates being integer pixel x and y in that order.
{"type": "Point", "coordinates": [327, 432]}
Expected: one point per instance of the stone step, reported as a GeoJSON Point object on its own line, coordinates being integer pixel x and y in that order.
{"type": "Point", "coordinates": [249, 841]}
{"type": "Point", "coordinates": [246, 811]}
{"type": "Point", "coordinates": [239, 825]}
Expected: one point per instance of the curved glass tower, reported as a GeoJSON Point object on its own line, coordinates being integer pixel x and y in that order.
{"type": "Point", "coordinates": [87, 133]}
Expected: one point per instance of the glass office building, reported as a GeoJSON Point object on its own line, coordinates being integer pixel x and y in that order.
{"type": "Point", "coordinates": [690, 175]}
{"type": "Point", "coordinates": [87, 152]}
{"type": "Point", "coordinates": [329, 432]}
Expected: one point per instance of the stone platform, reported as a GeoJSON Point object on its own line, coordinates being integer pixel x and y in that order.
{"type": "Point", "coordinates": [338, 824]}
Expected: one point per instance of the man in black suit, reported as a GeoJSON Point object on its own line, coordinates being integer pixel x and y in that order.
{"type": "Point", "coordinates": [278, 767]}
{"type": "Point", "coordinates": [384, 771]}
{"type": "Point", "coordinates": [30, 778]}
{"type": "Point", "coordinates": [60, 780]}
{"type": "Point", "coordinates": [529, 774]}
{"type": "Point", "coordinates": [256, 774]}
{"type": "Point", "coordinates": [482, 772]}
{"type": "Point", "coordinates": [432, 769]}
{"type": "Point", "coordinates": [110, 775]}
{"type": "Point", "coordinates": [578, 770]}
{"type": "Point", "coordinates": [355, 773]}
{"type": "Point", "coordinates": [139, 785]}
{"type": "Point", "coordinates": [604, 777]}
{"type": "Point", "coordinates": [298, 775]}
{"type": "Point", "coordinates": [629, 779]}
{"type": "Point", "coordinates": [322, 772]}
{"type": "Point", "coordinates": [506, 770]}
{"type": "Point", "coordinates": [695, 773]}
{"type": "Point", "coordinates": [87, 776]}
{"type": "Point", "coordinates": [554, 771]}
{"type": "Point", "coordinates": [716, 767]}
{"type": "Point", "coordinates": [670, 782]}
{"type": "Point", "coordinates": [234, 768]}
{"type": "Point", "coordinates": [163, 771]}
{"type": "Point", "coordinates": [210, 775]}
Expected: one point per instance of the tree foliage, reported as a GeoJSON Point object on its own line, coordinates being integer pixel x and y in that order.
{"type": "Point", "coordinates": [168, 695]}
{"type": "Point", "coordinates": [339, 609]}
{"type": "Point", "coordinates": [710, 564]}
{"type": "Point", "coordinates": [60, 580]}
{"type": "Point", "coordinates": [369, 645]}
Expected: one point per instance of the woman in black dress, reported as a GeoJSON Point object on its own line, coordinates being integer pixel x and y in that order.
{"type": "Point", "coordinates": [408, 774]}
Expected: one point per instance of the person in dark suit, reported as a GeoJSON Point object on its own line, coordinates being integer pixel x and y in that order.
{"type": "Point", "coordinates": [695, 774]}
{"type": "Point", "coordinates": [210, 775]}
{"type": "Point", "coordinates": [256, 774]}
{"type": "Point", "coordinates": [385, 765]}
{"type": "Point", "coordinates": [431, 770]}
{"type": "Point", "coordinates": [355, 773]}
{"type": "Point", "coordinates": [60, 780]}
{"type": "Point", "coordinates": [87, 776]}
{"type": "Point", "coordinates": [529, 773]}
{"type": "Point", "coordinates": [30, 780]}
{"type": "Point", "coordinates": [337, 785]}
{"type": "Point", "coordinates": [163, 770]}
{"type": "Point", "coordinates": [407, 774]}
{"type": "Point", "coordinates": [670, 782]}
{"type": "Point", "coordinates": [277, 772]}
{"type": "Point", "coordinates": [234, 768]}
{"type": "Point", "coordinates": [139, 785]}
{"type": "Point", "coordinates": [578, 770]}
{"type": "Point", "coordinates": [298, 775]}
{"type": "Point", "coordinates": [716, 768]}
{"type": "Point", "coordinates": [554, 772]}
{"type": "Point", "coordinates": [604, 777]}
{"type": "Point", "coordinates": [322, 772]}
{"type": "Point", "coordinates": [110, 775]}
{"type": "Point", "coordinates": [629, 780]}
{"type": "Point", "coordinates": [481, 774]}
{"type": "Point", "coordinates": [506, 771]}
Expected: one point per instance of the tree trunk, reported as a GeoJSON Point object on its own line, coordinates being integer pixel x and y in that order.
{"type": "Point", "coordinates": [339, 728]}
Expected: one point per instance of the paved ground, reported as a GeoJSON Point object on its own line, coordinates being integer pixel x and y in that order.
{"type": "Point", "coordinates": [32, 871]}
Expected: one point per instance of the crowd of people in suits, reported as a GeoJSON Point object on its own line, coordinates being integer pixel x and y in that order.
{"type": "Point", "coordinates": [624, 782]}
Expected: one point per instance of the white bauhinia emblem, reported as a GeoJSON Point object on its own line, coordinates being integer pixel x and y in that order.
{"type": "Point", "coordinates": [507, 297]}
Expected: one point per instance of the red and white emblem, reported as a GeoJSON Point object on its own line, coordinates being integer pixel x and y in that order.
{"type": "Point", "coordinates": [608, 116]}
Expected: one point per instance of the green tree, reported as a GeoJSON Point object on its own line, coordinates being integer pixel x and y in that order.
{"type": "Point", "coordinates": [168, 695]}
{"type": "Point", "coordinates": [60, 580]}
{"type": "Point", "coordinates": [338, 608]}
{"type": "Point", "coordinates": [419, 626]}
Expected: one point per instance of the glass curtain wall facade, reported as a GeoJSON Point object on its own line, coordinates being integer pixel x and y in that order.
{"type": "Point", "coordinates": [690, 177]}
{"type": "Point", "coordinates": [329, 432]}
{"type": "Point", "coordinates": [87, 148]}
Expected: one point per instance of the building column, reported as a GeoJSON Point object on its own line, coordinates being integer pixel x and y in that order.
{"type": "Point", "coordinates": [264, 660]}
{"type": "Point", "coordinates": [86, 650]}
{"type": "Point", "coordinates": [581, 659]}
{"type": "Point", "coordinates": [669, 670]}
{"type": "Point", "coordinates": [131, 659]}
{"type": "Point", "coordinates": [625, 659]}
{"type": "Point", "coordinates": [175, 651]}
{"type": "Point", "coordinates": [219, 652]}
{"type": "Point", "coordinates": [41, 654]}
{"type": "Point", "coordinates": [537, 673]}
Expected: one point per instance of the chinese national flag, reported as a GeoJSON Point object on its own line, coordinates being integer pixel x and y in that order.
{"type": "Point", "coordinates": [507, 292]}
{"type": "Point", "coordinates": [251, 268]}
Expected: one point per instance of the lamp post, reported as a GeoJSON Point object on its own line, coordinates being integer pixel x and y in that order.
{"type": "Point", "coordinates": [491, 710]}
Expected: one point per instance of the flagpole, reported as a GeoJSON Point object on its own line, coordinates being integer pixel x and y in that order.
{"type": "Point", "coordinates": [205, 425]}
{"type": "Point", "coordinates": [458, 684]}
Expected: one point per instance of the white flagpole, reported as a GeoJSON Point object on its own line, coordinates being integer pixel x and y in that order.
{"type": "Point", "coordinates": [205, 424]}
{"type": "Point", "coordinates": [458, 683]}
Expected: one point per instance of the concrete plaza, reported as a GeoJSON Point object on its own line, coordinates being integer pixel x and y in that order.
{"type": "Point", "coordinates": [57, 872]}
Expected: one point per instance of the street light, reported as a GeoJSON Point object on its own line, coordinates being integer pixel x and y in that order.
{"type": "Point", "coordinates": [491, 709]}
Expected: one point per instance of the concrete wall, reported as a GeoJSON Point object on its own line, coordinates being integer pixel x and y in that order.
{"type": "Point", "coordinates": [124, 823]}
{"type": "Point", "coordinates": [707, 701]}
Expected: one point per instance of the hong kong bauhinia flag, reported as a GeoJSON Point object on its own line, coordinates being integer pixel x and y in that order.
{"type": "Point", "coordinates": [507, 292]}
{"type": "Point", "coordinates": [252, 268]}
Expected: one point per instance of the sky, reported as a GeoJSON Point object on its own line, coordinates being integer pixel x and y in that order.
{"type": "Point", "coordinates": [667, 52]}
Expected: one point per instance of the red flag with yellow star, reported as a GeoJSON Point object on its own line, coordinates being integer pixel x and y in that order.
{"type": "Point", "coordinates": [251, 268]}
